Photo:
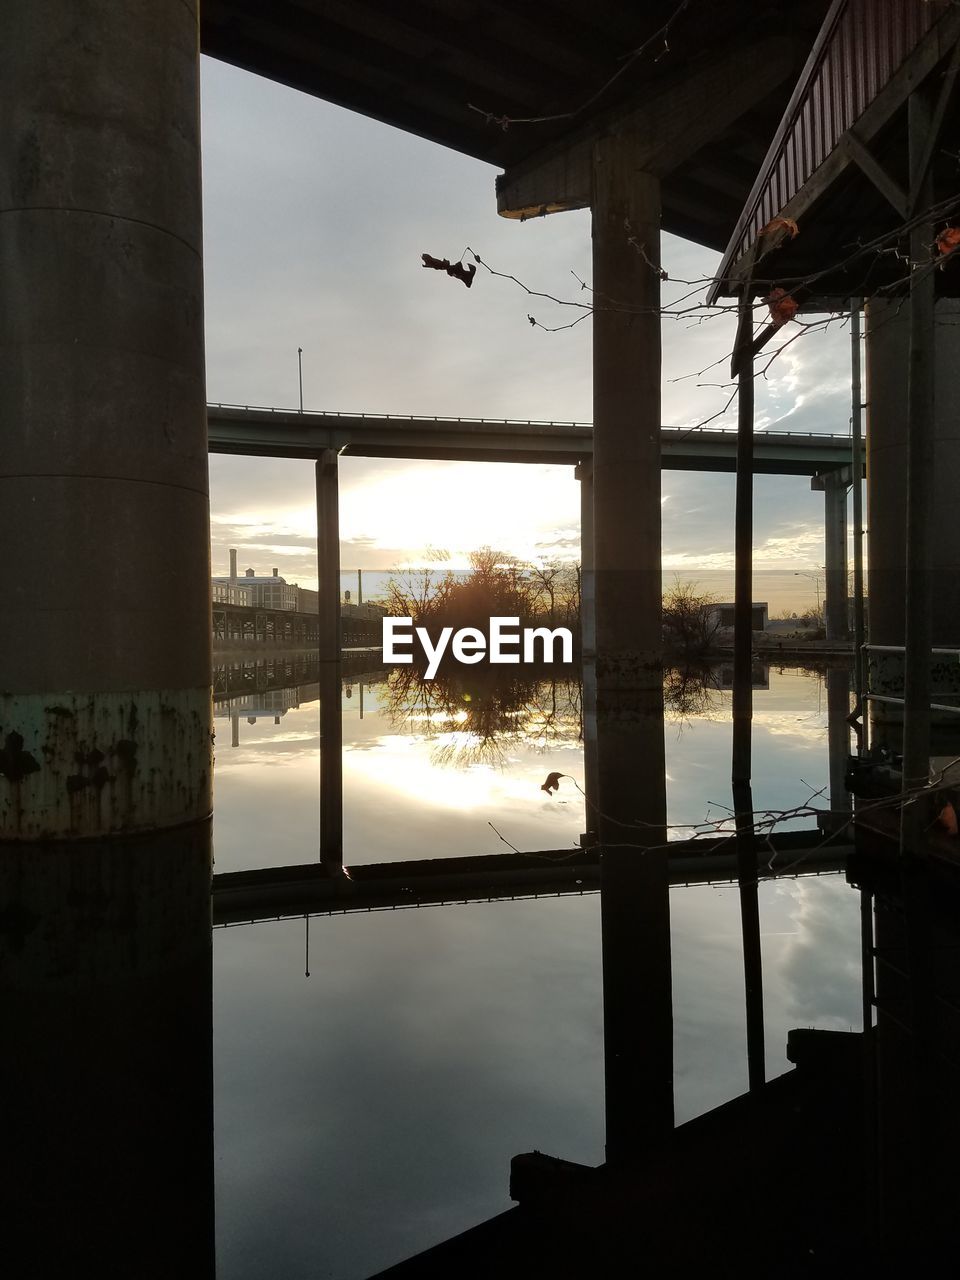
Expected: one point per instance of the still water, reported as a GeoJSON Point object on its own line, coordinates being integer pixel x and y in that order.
{"type": "Point", "coordinates": [371, 1109]}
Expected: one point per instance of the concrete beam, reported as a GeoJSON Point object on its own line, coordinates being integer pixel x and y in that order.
{"type": "Point", "coordinates": [278, 433]}
{"type": "Point", "coordinates": [684, 118]}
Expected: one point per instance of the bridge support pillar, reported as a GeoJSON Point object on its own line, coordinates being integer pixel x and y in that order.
{"type": "Point", "coordinates": [887, 363]}
{"type": "Point", "coordinates": [331, 724]}
{"type": "Point", "coordinates": [105, 638]}
{"type": "Point", "coordinates": [638, 1020]}
{"type": "Point", "coordinates": [836, 612]}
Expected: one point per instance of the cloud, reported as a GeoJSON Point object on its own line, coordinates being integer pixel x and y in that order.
{"type": "Point", "coordinates": [303, 249]}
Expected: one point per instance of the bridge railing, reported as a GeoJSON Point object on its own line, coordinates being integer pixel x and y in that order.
{"type": "Point", "coordinates": [322, 414]}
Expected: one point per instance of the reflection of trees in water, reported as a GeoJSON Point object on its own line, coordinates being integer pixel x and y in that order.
{"type": "Point", "coordinates": [478, 714]}
{"type": "Point", "coordinates": [691, 692]}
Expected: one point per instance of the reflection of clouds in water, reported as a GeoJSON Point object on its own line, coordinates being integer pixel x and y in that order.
{"type": "Point", "coordinates": [425, 1050]}
{"type": "Point", "coordinates": [820, 965]}
{"type": "Point", "coordinates": [407, 765]}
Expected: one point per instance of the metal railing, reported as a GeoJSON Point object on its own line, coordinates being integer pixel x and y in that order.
{"type": "Point", "coordinates": [824, 437]}
{"type": "Point", "coordinates": [892, 698]}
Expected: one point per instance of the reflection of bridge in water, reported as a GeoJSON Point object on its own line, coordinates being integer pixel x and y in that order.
{"type": "Point", "coordinates": [267, 689]}
{"type": "Point", "coordinates": [106, 772]}
{"type": "Point", "coordinates": [327, 886]}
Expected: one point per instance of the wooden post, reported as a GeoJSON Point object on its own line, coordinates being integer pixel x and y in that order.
{"type": "Point", "coordinates": [635, 909]}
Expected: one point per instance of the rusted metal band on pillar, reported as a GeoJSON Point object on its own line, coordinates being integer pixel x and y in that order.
{"type": "Point", "coordinates": [76, 764]}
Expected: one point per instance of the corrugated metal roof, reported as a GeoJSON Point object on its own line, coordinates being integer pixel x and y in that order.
{"type": "Point", "coordinates": [861, 46]}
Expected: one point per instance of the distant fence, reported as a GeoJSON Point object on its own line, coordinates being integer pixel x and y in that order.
{"type": "Point", "coordinates": [237, 625]}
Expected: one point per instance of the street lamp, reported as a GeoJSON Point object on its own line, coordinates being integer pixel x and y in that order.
{"type": "Point", "coordinates": [300, 372]}
{"type": "Point", "coordinates": [815, 578]}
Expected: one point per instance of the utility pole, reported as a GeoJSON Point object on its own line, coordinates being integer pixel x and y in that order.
{"type": "Point", "coordinates": [300, 373]}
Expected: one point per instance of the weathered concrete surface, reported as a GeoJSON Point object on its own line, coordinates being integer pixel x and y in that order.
{"type": "Point", "coordinates": [103, 470]}
{"type": "Point", "coordinates": [887, 364]}
{"type": "Point", "coordinates": [104, 763]}
{"type": "Point", "coordinates": [631, 788]}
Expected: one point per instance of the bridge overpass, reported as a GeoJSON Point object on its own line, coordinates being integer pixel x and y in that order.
{"type": "Point", "coordinates": [286, 433]}
{"type": "Point", "coordinates": [260, 431]}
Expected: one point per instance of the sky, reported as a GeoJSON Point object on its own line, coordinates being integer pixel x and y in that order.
{"type": "Point", "coordinates": [314, 222]}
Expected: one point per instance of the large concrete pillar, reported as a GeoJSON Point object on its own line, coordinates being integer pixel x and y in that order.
{"type": "Point", "coordinates": [105, 714]}
{"type": "Point", "coordinates": [105, 617]}
{"type": "Point", "coordinates": [588, 594]}
{"type": "Point", "coordinates": [836, 612]}
{"type": "Point", "coordinates": [887, 351]}
{"type": "Point", "coordinates": [638, 1025]}
{"type": "Point", "coordinates": [887, 362]}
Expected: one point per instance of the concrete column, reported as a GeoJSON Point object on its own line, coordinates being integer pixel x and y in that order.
{"type": "Point", "coordinates": [834, 484]}
{"type": "Point", "coordinates": [887, 346]}
{"type": "Point", "coordinates": [328, 597]}
{"type": "Point", "coordinates": [328, 555]}
{"type": "Point", "coordinates": [638, 1025]}
{"type": "Point", "coordinates": [887, 359]}
{"type": "Point", "coordinates": [105, 621]}
{"type": "Point", "coordinates": [105, 639]}
{"type": "Point", "coordinates": [588, 595]}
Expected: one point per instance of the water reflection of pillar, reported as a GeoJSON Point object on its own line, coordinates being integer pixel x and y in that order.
{"type": "Point", "coordinates": [234, 728]}
{"type": "Point", "coordinates": [105, 970]}
{"type": "Point", "coordinates": [107, 999]}
{"type": "Point", "coordinates": [637, 998]}
{"type": "Point", "coordinates": [588, 649]}
{"type": "Point", "coordinates": [838, 736]}
{"type": "Point", "coordinates": [328, 597]}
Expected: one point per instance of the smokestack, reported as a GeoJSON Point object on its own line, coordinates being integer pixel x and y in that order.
{"type": "Point", "coordinates": [249, 573]}
{"type": "Point", "coordinates": [233, 565]}
{"type": "Point", "coordinates": [276, 573]}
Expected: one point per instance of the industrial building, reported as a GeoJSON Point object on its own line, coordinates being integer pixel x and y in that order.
{"type": "Point", "coordinates": [263, 591]}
